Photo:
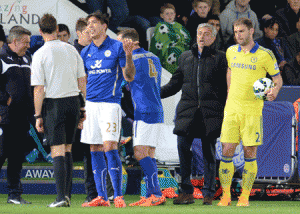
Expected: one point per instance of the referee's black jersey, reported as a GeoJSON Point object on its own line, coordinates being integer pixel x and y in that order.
{"type": "Point", "coordinates": [15, 82]}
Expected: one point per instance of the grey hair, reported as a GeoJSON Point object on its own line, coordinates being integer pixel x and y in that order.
{"type": "Point", "coordinates": [213, 29]}
{"type": "Point", "coordinates": [16, 32]}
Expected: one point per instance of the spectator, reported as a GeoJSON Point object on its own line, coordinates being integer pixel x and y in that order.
{"type": "Point", "coordinates": [63, 33]}
{"type": "Point", "coordinates": [218, 44]}
{"type": "Point", "coordinates": [277, 45]}
{"type": "Point", "coordinates": [215, 7]}
{"type": "Point", "coordinates": [294, 41]}
{"type": "Point", "coordinates": [288, 18]}
{"type": "Point", "coordinates": [58, 66]}
{"type": "Point", "coordinates": [272, 6]}
{"type": "Point", "coordinates": [202, 9]}
{"type": "Point", "coordinates": [2, 36]}
{"type": "Point", "coordinates": [170, 39]}
{"type": "Point", "coordinates": [201, 75]}
{"type": "Point", "coordinates": [291, 71]}
{"type": "Point", "coordinates": [16, 108]}
{"type": "Point", "coordinates": [119, 11]}
{"type": "Point", "coordinates": [237, 9]}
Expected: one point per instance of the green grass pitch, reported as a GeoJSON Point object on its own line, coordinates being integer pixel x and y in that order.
{"type": "Point", "coordinates": [39, 203]}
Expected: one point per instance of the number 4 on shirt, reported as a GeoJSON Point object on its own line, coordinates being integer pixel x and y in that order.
{"type": "Point", "coordinates": [152, 70]}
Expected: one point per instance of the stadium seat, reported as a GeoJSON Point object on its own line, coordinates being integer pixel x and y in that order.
{"type": "Point", "coordinates": [149, 35]}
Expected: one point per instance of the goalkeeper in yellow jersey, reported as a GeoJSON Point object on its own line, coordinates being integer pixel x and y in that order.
{"type": "Point", "coordinates": [247, 62]}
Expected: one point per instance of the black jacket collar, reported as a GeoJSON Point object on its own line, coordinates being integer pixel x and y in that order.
{"type": "Point", "coordinates": [207, 51]}
{"type": "Point", "coordinates": [7, 50]}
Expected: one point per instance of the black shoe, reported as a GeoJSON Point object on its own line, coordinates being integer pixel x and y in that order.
{"type": "Point", "coordinates": [62, 203]}
{"type": "Point", "coordinates": [89, 199]}
{"type": "Point", "coordinates": [184, 198]}
{"type": "Point", "coordinates": [17, 201]}
{"type": "Point", "coordinates": [207, 200]}
{"type": "Point", "coordinates": [68, 201]}
{"type": "Point", "coordinates": [111, 199]}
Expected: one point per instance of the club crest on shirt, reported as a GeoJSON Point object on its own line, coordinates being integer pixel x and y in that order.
{"type": "Point", "coordinates": [254, 59]}
{"type": "Point", "coordinates": [25, 60]}
{"type": "Point", "coordinates": [276, 66]}
{"type": "Point", "coordinates": [107, 53]}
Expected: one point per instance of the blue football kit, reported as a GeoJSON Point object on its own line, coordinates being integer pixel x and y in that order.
{"type": "Point", "coordinates": [145, 88]}
{"type": "Point", "coordinates": [103, 66]}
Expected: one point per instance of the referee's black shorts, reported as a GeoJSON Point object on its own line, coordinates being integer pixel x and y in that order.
{"type": "Point", "coordinates": [61, 117]}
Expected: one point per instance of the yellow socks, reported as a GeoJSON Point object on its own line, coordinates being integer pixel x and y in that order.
{"type": "Point", "coordinates": [249, 174]}
{"type": "Point", "coordinates": [226, 172]}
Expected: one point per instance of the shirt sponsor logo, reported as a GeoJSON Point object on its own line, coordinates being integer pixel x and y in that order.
{"type": "Point", "coordinates": [100, 71]}
{"type": "Point", "coordinates": [107, 53]}
{"type": "Point", "coordinates": [98, 64]}
{"type": "Point", "coordinates": [243, 66]}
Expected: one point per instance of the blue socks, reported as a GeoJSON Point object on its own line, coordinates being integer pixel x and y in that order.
{"type": "Point", "coordinates": [115, 171]}
{"type": "Point", "coordinates": [100, 171]}
{"type": "Point", "coordinates": [151, 179]}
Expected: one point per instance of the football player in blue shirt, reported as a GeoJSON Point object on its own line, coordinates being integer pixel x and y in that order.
{"type": "Point", "coordinates": [106, 62]}
{"type": "Point", "coordinates": [148, 116]}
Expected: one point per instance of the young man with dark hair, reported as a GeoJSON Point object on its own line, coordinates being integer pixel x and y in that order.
{"type": "Point", "coordinates": [148, 117]}
{"type": "Point", "coordinates": [247, 62]}
{"type": "Point", "coordinates": [84, 40]}
{"type": "Point", "coordinates": [106, 64]}
{"type": "Point", "coordinates": [63, 33]}
{"type": "Point", "coordinates": [83, 34]}
{"type": "Point", "coordinates": [58, 107]}
{"type": "Point", "coordinates": [214, 20]}
{"type": "Point", "coordinates": [16, 107]}
{"type": "Point", "coordinates": [278, 46]}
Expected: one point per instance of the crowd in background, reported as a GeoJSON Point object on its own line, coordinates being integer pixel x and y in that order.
{"type": "Point", "coordinates": [276, 25]}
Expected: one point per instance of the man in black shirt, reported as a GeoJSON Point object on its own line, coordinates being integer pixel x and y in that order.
{"type": "Point", "coordinates": [16, 106]}
{"type": "Point", "coordinates": [83, 40]}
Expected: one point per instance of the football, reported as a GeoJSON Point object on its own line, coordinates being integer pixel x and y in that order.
{"type": "Point", "coordinates": [171, 59]}
{"type": "Point", "coordinates": [260, 86]}
{"type": "Point", "coordinates": [159, 45]}
{"type": "Point", "coordinates": [163, 29]}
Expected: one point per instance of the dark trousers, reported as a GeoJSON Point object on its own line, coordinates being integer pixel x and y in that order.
{"type": "Point", "coordinates": [12, 140]}
{"type": "Point", "coordinates": [89, 182]}
{"type": "Point", "coordinates": [184, 144]}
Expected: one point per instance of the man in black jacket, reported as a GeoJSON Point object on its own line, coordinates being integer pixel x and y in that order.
{"type": "Point", "coordinates": [201, 74]}
{"type": "Point", "coordinates": [16, 106]}
{"type": "Point", "coordinates": [84, 40]}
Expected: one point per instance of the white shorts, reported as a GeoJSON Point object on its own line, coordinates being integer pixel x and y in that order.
{"type": "Point", "coordinates": [145, 134]}
{"type": "Point", "coordinates": [103, 123]}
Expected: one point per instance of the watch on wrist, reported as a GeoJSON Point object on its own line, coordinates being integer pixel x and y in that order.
{"type": "Point", "coordinates": [37, 116]}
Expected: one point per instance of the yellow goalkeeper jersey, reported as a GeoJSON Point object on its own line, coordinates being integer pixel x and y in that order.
{"type": "Point", "coordinates": [246, 68]}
